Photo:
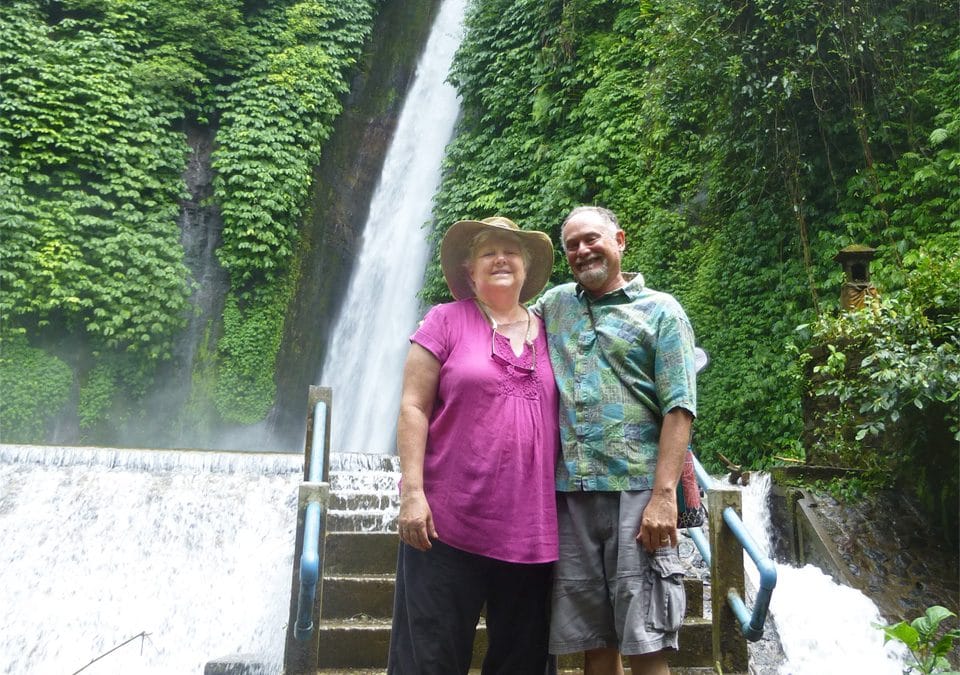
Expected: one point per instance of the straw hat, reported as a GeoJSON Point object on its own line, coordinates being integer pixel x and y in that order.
{"type": "Point", "coordinates": [455, 249]}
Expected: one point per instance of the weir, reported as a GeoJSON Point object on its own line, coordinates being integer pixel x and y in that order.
{"type": "Point", "coordinates": [190, 553]}
{"type": "Point", "coordinates": [823, 627]}
{"type": "Point", "coordinates": [102, 544]}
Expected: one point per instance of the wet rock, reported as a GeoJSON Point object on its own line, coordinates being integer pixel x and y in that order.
{"type": "Point", "coordinates": [902, 565]}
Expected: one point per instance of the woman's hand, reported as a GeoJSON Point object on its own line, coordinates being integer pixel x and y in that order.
{"type": "Point", "coordinates": [415, 524]}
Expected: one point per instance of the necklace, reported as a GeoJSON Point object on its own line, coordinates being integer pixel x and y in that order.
{"type": "Point", "coordinates": [493, 342]}
{"type": "Point", "coordinates": [493, 322]}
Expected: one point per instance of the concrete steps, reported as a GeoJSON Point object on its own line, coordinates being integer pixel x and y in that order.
{"type": "Point", "coordinates": [360, 563]}
{"type": "Point", "coordinates": [358, 601]}
{"type": "Point", "coordinates": [364, 496]}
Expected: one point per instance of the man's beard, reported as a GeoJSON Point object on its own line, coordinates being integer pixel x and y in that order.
{"type": "Point", "coordinates": [595, 277]}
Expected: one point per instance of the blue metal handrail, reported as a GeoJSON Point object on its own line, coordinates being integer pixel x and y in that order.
{"type": "Point", "coordinates": [696, 533]}
{"type": "Point", "coordinates": [311, 557]}
{"type": "Point", "coordinates": [751, 623]}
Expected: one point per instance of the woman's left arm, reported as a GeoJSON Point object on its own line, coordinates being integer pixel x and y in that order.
{"type": "Point", "coordinates": [421, 376]}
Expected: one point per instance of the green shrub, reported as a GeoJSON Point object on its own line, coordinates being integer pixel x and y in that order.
{"type": "Point", "coordinates": [921, 636]}
{"type": "Point", "coordinates": [36, 386]}
{"type": "Point", "coordinates": [893, 370]}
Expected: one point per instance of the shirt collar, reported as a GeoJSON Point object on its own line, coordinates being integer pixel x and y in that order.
{"type": "Point", "coordinates": [632, 288]}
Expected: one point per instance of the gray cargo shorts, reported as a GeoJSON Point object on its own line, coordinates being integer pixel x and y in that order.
{"type": "Point", "coordinates": [608, 592]}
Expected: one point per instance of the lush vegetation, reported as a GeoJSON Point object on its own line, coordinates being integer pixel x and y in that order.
{"type": "Point", "coordinates": [742, 145]}
{"type": "Point", "coordinates": [97, 100]}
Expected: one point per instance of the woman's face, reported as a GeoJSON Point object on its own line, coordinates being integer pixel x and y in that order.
{"type": "Point", "coordinates": [497, 265]}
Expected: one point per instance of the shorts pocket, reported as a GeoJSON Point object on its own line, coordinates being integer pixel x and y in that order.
{"type": "Point", "coordinates": [668, 601]}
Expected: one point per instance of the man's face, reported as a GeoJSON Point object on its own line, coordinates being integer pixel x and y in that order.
{"type": "Point", "coordinates": [593, 249]}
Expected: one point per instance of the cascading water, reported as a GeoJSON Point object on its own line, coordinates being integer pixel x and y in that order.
{"type": "Point", "coordinates": [99, 545]}
{"type": "Point", "coordinates": [364, 363]}
{"type": "Point", "coordinates": [824, 627]}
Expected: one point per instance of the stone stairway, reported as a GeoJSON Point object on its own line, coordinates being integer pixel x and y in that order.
{"type": "Point", "coordinates": [359, 567]}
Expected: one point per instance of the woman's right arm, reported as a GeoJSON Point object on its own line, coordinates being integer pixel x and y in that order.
{"type": "Point", "coordinates": [421, 375]}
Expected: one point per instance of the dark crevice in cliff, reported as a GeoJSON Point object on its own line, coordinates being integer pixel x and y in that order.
{"type": "Point", "coordinates": [344, 182]}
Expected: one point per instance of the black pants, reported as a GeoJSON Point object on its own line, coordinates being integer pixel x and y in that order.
{"type": "Point", "coordinates": [439, 596]}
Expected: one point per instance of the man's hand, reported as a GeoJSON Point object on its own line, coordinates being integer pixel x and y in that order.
{"type": "Point", "coordinates": [658, 525]}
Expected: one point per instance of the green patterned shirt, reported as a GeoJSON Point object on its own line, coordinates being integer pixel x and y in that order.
{"type": "Point", "coordinates": [633, 357]}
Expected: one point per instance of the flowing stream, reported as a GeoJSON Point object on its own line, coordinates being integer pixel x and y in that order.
{"type": "Point", "coordinates": [824, 627]}
{"type": "Point", "coordinates": [364, 363]}
{"type": "Point", "coordinates": [99, 545]}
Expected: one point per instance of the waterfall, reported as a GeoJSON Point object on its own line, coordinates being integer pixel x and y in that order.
{"type": "Point", "coordinates": [364, 362]}
{"type": "Point", "coordinates": [824, 627]}
{"type": "Point", "coordinates": [100, 545]}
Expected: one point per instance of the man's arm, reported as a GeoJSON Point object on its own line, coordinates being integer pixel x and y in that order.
{"type": "Point", "coordinates": [537, 307]}
{"type": "Point", "coordinates": [658, 526]}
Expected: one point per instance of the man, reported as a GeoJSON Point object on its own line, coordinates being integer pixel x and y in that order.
{"type": "Point", "coordinates": [623, 357]}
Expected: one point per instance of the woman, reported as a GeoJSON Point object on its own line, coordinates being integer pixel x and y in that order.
{"type": "Point", "coordinates": [477, 439]}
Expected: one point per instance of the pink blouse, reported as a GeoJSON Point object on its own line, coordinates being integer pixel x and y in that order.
{"type": "Point", "coordinates": [493, 439]}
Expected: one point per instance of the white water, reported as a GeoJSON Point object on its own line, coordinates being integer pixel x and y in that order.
{"type": "Point", "coordinates": [99, 545]}
{"type": "Point", "coordinates": [824, 627]}
{"type": "Point", "coordinates": [364, 362]}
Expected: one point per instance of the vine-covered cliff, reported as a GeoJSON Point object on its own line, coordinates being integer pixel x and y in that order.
{"type": "Point", "coordinates": [742, 145]}
{"type": "Point", "coordinates": [139, 136]}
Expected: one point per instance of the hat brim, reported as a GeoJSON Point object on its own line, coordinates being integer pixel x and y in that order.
{"type": "Point", "coordinates": [700, 359]}
{"type": "Point", "coordinates": [455, 248]}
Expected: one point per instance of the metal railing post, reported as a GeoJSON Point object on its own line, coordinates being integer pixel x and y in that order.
{"type": "Point", "coordinates": [302, 650]}
{"type": "Point", "coordinates": [726, 573]}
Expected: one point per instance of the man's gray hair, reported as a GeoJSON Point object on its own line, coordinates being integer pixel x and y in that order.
{"type": "Point", "coordinates": [609, 216]}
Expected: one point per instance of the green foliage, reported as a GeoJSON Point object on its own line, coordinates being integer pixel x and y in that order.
{"type": "Point", "coordinates": [199, 412]}
{"type": "Point", "coordinates": [852, 490]}
{"type": "Point", "coordinates": [96, 396]}
{"type": "Point", "coordinates": [741, 146]}
{"type": "Point", "coordinates": [891, 382]}
{"type": "Point", "coordinates": [902, 365]}
{"type": "Point", "coordinates": [247, 354]}
{"type": "Point", "coordinates": [112, 392]}
{"type": "Point", "coordinates": [89, 188]}
{"type": "Point", "coordinates": [96, 98]}
{"type": "Point", "coordinates": [928, 648]}
{"type": "Point", "coordinates": [35, 385]}
{"type": "Point", "coordinates": [276, 116]}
